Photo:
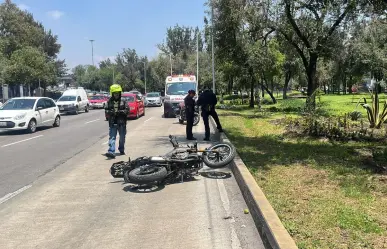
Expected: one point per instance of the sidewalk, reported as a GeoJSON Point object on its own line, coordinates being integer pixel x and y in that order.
{"type": "Point", "coordinates": [79, 204]}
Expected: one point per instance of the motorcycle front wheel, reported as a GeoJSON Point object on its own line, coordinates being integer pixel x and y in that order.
{"type": "Point", "coordinates": [219, 155]}
{"type": "Point", "coordinates": [147, 174]}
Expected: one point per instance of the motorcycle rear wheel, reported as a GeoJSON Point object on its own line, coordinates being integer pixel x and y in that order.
{"type": "Point", "coordinates": [210, 158]}
{"type": "Point", "coordinates": [147, 174]}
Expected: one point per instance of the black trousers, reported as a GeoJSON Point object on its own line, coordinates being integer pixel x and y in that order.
{"type": "Point", "coordinates": [206, 115]}
{"type": "Point", "coordinates": [188, 128]}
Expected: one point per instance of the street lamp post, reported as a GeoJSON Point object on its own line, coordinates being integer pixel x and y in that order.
{"type": "Point", "coordinates": [212, 45]}
{"type": "Point", "coordinates": [170, 60]}
{"type": "Point", "coordinates": [92, 51]}
{"type": "Point", "coordinates": [145, 74]}
{"type": "Point", "coordinates": [197, 58]}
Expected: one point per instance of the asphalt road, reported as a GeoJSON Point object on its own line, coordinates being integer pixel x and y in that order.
{"type": "Point", "coordinates": [77, 204]}
{"type": "Point", "coordinates": [25, 157]}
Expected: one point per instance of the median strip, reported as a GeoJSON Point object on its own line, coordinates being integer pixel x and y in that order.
{"type": "Point", "coordinates": [272, 231]}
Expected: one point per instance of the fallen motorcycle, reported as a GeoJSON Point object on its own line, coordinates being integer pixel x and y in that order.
{"type": "Point", "coordinates": [180, 114]}
{"type": "Point", "coordinates": [182, 162]}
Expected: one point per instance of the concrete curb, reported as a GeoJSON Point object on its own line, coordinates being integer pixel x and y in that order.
{"type": "Point", "coordinates": [273, 233]}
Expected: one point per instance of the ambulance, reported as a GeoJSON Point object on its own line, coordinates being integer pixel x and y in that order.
{"type": "Point", "coordinates": [176, 89]}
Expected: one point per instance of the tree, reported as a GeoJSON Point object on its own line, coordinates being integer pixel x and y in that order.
{"type": "Point", "coordinates": [26, 65]}
{"type": "Point", "coordinates": [311, 27]}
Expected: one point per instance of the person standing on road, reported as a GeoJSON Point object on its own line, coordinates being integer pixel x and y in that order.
{"type": "Point", "coordinates": [189, 104]}
{"type": "Point", "coordinates": [207, 100]}
{"type": "Point", "coordinates": [117, 110]}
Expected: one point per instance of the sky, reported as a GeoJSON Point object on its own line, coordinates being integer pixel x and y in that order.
{"type": "Point", "coordinates": [113, 24]}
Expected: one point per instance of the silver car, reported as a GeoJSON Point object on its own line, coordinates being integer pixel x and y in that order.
{"type": "Point", "coordinates": [153, 99]}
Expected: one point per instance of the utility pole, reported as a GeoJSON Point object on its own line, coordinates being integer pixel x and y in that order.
{"type": "Point", "coordinates": [197, 59]}
{"type": "Point", "coordinates": [113, 74]}
{"type": "Point", "coordinates": [145, 74]}
{"type": "Point", "coordinates": [170, 60]}
{"type": "Point", "coordinates": [92, 51]}
{"type": "Point", "coordinates": [212, 41]}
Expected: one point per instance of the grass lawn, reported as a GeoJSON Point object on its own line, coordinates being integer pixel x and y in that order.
{"type": "Point", "coordinates": [319, 189]}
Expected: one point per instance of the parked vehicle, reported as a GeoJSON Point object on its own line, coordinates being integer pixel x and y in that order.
{"type": "Point", "coordinates": [98, 101]}
{"type": "Point", "coordinates": [135, 103]}
{"type": "Point", "coordinates": [182, 162]}
{"type": "Point", "coordinates": [153, 99]}
{"type": "Point", "coordinates": [28, 113]}
{"type": "Point", "coordinates": [180, 114]}
{"type": "Point", "coordinates": [73, 101]}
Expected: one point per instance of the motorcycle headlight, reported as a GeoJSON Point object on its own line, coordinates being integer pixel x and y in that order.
{"type": "Point", "coordinates": [20, 116]}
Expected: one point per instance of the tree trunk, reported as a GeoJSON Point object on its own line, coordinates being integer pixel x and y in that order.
{"type": "Point", "coordinates": [286, 85]}
{"type": "Point", "coordinates": [345, 84]}
{"type": "Point", "coordinates": [312, 86]}
{"type": "Point", "coordinates": [270, 94]}
{"type": "Point", "coordinates": [350, 85]}
{"type": "Point", "coordinates": [252, 85]}
{"type": "Point", "coordinates": [230, 84]}
{"type": "Point", "coordinates": [262, 90]}
{"type": "Point", "coordinates": [252, 94]}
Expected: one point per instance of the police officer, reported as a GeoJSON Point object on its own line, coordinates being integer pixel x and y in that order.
{"type": "Point", "coordinates": [189, 104]}
{"type": "Point", "coordinates": [207, 100]}
{"type": "Point", "coordinates": [117, 110]}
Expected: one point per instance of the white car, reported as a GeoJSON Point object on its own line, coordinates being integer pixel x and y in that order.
{"type": "Point", "coordinates": [137, 93]}
{"type": "Point", "coordinates": [73, 101]}
{"type": "Point", "coordinates": [153, 99]}
{"type": "Point", "coordinates": [28, 113]}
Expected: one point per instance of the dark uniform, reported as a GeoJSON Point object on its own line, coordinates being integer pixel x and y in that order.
{"type": "Point", "coordinates": [207, 100]}
{"type": "Point", "coordinates": [189, 104]}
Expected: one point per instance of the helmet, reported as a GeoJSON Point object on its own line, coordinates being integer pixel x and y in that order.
{"type": "Point", "coordinates": [191, 91]}
{"type": "Point", "coordinates": [115, 88]}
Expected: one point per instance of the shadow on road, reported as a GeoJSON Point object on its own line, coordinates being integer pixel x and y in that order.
{"type": "Point", "coordinates": [216, 174]}
{"type": "Point", "coordinates": [143, 188]}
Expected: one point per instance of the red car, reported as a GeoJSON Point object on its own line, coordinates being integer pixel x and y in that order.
{"type": "Point", "coordinates": [98, 101]}
{"type": "Point", "coordinates": [135, 103]}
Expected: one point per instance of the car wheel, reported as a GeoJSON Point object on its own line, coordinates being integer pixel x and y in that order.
{"type": "Point", "coordinates": [87, 109]}
{"type": "Point", "coordinates": [137, 114]}
{"type": "Point", "coordinates": [76, 110]}
{"type": "Point", "coordinates": [31, 126]}
{"type": "Point", "coordinates": [57, 122]}
{"type": "Point", "coordinates": [143, 114]}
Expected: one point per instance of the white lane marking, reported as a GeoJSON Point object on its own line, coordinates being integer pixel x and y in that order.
{"type": "Point", "coordinates": [148, 119]}
{"type": "Point", "coordinates": [91, 121]}
{"type": "Point", "coordinates": [21, 141]}
{"type": "Point", "coordinates": [11, 195]}
{"type": "Point", "coordinates": [235, 242]}
{"type": "Point", "coordinates": [105, 143]}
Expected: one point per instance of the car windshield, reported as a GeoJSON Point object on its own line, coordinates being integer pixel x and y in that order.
{"type": "Point", "coordinates": [67, 98]}
{"type": "Point", "coordinates": [96, 97]}
{"type": "Point", "coordinates": [18, 104]}
{"type": "Point", "coordinates": [180, 88]}
{"type": "Point", "coordinates": [152, 95]}
{"type": "Point", "coordinates": [128, 98]}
